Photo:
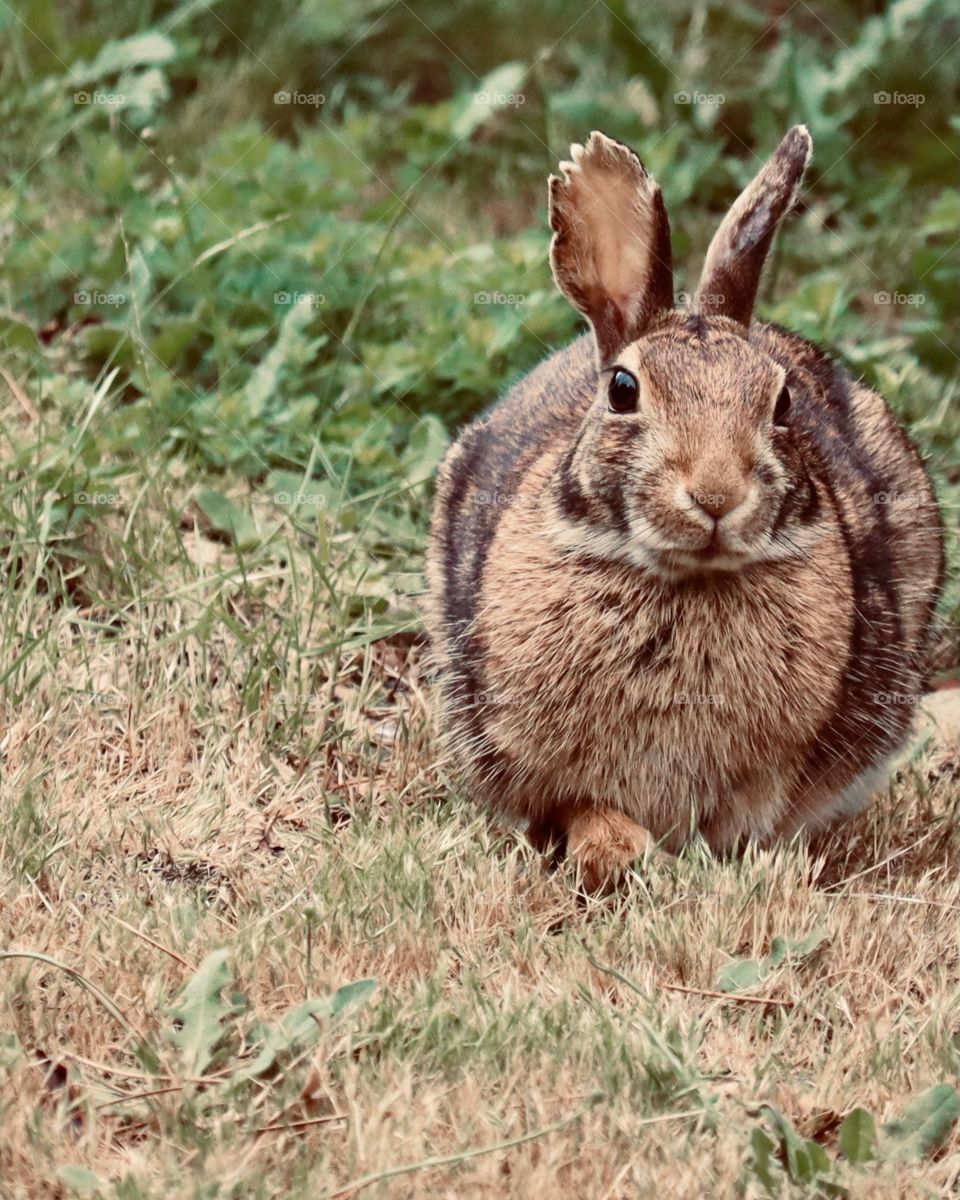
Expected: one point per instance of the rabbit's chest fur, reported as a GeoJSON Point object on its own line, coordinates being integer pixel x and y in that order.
{"type": "Point", "coordinates": [662, 699]}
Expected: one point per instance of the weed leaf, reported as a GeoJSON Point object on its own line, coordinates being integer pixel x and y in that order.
{"type": "Point", "coordinates": [300, 1026]}
{"type": "Point", "coordinates": [228, 519]}
{"type": "Point", "coordinates": [742, 973]}
{"type": "Point", "coordinates": [925, 1123]}
{"type": "Point", "coordinates": [858, 1136]}
{"type": "Point", "coordinates": [201, 1012]}
{"type": "Point", "coordinates": [764, 1163]}
{"type": "Point", "coordinates": [80, 1180]}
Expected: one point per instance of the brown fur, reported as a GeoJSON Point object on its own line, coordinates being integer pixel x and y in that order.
{"type": "Point", "coordinates": [686, 614]}
{"type": "Point", "coordinates": [731, 270]}
{"type": "Point", "coordinates": [603, 841]}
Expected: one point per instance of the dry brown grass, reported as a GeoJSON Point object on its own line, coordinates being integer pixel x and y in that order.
{"type": "Point", "coordinates": [163, 796]}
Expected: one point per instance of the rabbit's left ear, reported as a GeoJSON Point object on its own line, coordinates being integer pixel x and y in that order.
{"type": "Point", "coordinates": [731, 273]}
{"type": "Point", "coordinates": [610, 252]}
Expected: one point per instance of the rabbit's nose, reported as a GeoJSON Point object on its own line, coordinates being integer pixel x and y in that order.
{"type": "Point", "coordinates": [717, 500]}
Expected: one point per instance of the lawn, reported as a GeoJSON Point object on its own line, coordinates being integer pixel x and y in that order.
{"type": "Point", "coordinates": [259, 265]}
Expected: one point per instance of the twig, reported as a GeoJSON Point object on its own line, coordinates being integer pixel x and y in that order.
{"type": "Point", "coordinates": [19, 395]}
{"type": "Point", "coordinates": [447, 1160]}
{"type": "Point", "coordinates": [282, 1127]}
{"type": "Point", "coordinates": [731, 997]}
{"type": "Point", "coordinates": [106, 1069]}
{"type": "Point", "coordinates": [125, 1097]}
{"type": "Point", "coordinates": [156, 945]}
{"type": "Point", "coordinates": [880, 865]}
{"type": "Point", "coordinates": [893, 898]}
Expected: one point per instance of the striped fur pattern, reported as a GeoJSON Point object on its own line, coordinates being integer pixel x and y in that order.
{"type": "Point", "coordinates": [701, 616]}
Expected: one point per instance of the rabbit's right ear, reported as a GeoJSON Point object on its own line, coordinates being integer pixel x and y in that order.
{"type": "Point", "coordinates": [610, 252]}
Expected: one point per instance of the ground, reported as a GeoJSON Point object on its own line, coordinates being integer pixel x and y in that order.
{"type": "Point", "coordinates": [522, 1038]}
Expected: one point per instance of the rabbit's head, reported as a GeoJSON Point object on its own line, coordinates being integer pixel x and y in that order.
{"type": "Point", "coordinates": [686, 461]}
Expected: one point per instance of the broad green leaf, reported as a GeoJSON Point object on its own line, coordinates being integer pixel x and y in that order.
{"type": "Point", "coordinates": [741, 973]}
{"type": "Point", "coordinates": [290, 489]}
{"type": "Point", "coordinates": [806, 1161]}
{"type": "Point", "coordinates": [858, 1136]}
{"type": "Point", "coordinates": [926, 1122]}
{"type": "Point", "coordinates": [200, 1014]}
{"type": "Point", "coordinates": [351, 995]}
{"type": "Point", "coordinates": [108, 342]}
{"type": "Point", "coordinates": [800, 1166]}
{"type": "Point", "coordinates": [300, 1026]}
{"type": "Point", "coordinates": [290, 347]}
{"type": "Point", "coordinates": [81, 1180]}
{"type": "Point", "coordinates": [764, 1164]}
{"type": "Point", "coordinates": [426, 447]}
{"type": "Point", "coordinates": [228, 518]}
{"type": "Point", "coordinates": [943, 216]}
{"type": "Point", "coordinates": [797, 948]}
{"type": "Point", "coordinates": [16, 334]}
{"type": "Point", "coordinates": [817, 1158]}
{"type": "Point", "coordinates": [11, 1052]}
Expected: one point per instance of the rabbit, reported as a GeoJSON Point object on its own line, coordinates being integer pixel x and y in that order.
{"type": "Point", "coordinates": [682, 577]}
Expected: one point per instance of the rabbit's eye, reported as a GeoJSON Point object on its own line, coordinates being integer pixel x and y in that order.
{"type": "Point", "coordinates": [782, 406]}
{"type": "Point", "coordinates": [622, 393]}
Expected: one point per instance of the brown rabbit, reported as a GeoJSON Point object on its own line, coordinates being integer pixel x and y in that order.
{"type": "Point", "coordinates": [682, 577]}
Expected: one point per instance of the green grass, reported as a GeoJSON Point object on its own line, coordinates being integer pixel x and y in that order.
{"type": "Point", "coordinates": [236, 336]}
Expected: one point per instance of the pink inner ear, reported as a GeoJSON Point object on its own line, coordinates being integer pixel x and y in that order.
{"type": "Point", "coordinates": [622, 300]}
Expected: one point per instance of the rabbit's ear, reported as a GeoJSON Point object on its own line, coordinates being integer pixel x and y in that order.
{"type": "Point", "coordinates": [610, 252]}
{"type": "Point", "coordinates": [731, 273]}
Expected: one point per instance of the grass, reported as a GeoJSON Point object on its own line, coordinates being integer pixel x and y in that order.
{"type": "Point", "coordinates": [236, 336]}
{"type": "Point", "coordinates": [147, 825]}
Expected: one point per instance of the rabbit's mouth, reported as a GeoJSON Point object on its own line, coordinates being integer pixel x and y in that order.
{"type": "Point", "coordinates": [712, 557]}
{"type": "Point", "coordinates": [720, 552]}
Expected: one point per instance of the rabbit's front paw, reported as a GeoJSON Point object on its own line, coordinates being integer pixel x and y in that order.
{"type": "Point", "coordinates": [602, 842]}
